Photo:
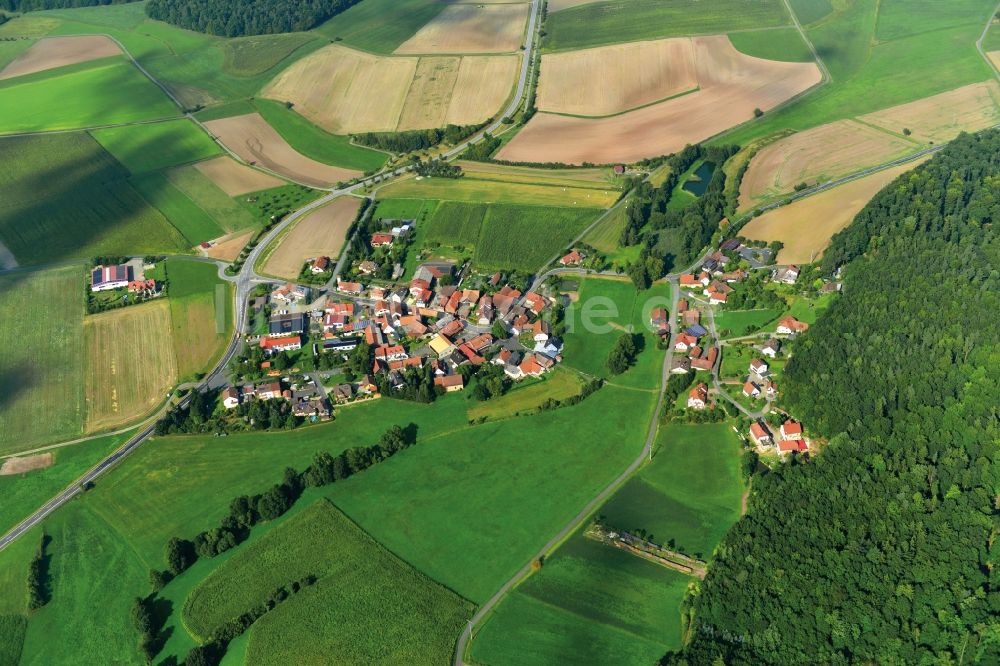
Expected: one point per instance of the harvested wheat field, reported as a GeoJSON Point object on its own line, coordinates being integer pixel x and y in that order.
{"type": "Point", "coordinates": [731, 85]}
{"type": "Point", "coordinates": [819, 154]}
{"type": "Point", "coordinates": [13, 466]}
{"type": "Point", "coordinates": [474, 28]}
{"type": "Point", "coordinates": [941, 117]}
{"type": "Point", "coordinates": [130, 363]}
{"type": "Point", "coordinates": [52, 52]}
{"type": "Point", "coordinates": [333, 88]}
{"type": "Point", "coordinates": [255, 141]}
{"type": "Point", "coordinates": [628, 76]}
{"type": "Point", "coordinates": [559, 5]}
{"type": "Point", "coordinates": [234, 178]}
{"type": "Point", "coordinates": [806, 226]}
{"type": "Point", "coordinates": [320, 234]}
{"type": "Point", "coordinates": [228, 247]}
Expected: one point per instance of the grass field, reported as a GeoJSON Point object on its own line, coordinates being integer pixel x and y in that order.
{"type": "Point", "coordinates": [611, 22]}
{"type": "Point", "coordinates": [810, 11]}
{"type": "Point", "coordinates": [781, 44]}
{"type": "Point", "coordinates": [10, 50]}
{"type": "Point", "coordinates": [736, 361]}
{"type": "Point", "coordinates": [194, 223]}
{"type": "Point", "coordinates": [151, 147]}
{"type": "Point", "coordinates": [257, 54]}
{"type": "Point", "coordinates": [588, 344]}
{"type": "Point", "coordinates": [26, 492]}
{"type": "Point", "coordinates": [455, 224]}
{"type": "Point", "coordinates": [525, 237]}
{"type": "Point", "coordinates": [743, 322]}
{"type": "Point", "coordinates": [131, 364]}
{"type": "Point", "coordinates": [593, 604]}
{"type": "Point", "coordinates": [12, 628]}
{"type": "Point", "coordinates": [364, 26]}
{"type": "Point", "coordinates": [78, 199]}
{"type": "Point", "coordinates": [486, 188]}
{"type": "Point", "coordinates": [527, 397]}
{"type": "Point", "coordinates": [881, 55]}
{"type": "Point", "coordinates": [206, 195]}
{"type": "Point", "coordinates": [37, 102]}
{"type": "Point", "coordinates": [690, 494]}
{"type": "Point", "coordinates": [590, 604]}
{"type": "Point", "coordinates": [313, 142]}
{"type": "Point", "coordinates": [368, 606]}
{"type": "Point", "coordinates": [42, 369]}
{"type": "Point", "coordinates": [201, 315]}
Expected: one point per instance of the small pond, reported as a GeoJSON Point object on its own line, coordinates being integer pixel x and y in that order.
{"type": "Point", "coordinates": [697, 182]}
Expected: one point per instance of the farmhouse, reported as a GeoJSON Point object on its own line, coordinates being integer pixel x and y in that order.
{"type": "Point", "coordinates": [716, 298]}
{"type": "Point", "coordinates": [791, 326]}
{"type": "Point", "coordinates": [382, 240]}
{"type": "Point", "coordinates": [698, 397]}
{"type": "Point", "coordinates": [572, 258]}
{"type": "Point", "coordinates": [320, 264]}
{"type": "Point", "coordinates": [105, 278]}
{"type": "Point", "coordinates": [680, 366]}
{"type": "Point", "coordinates": [340, 345]}
{"type": "Point", "coordinates": [786, 275]}
{"type": "Point", "coordinates": [684, 342]}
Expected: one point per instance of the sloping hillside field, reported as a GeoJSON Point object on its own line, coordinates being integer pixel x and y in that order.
{"type": "Point", "coordinates": [321, 233]}
{"type": "Point", "coordinates": [472, 28]}
{"type": "Point", "coordinates": [730, 86]}
{"type": "Point", "coordinates": [58, 51]}
{"type": "Point", "coordinates": [345, 91]}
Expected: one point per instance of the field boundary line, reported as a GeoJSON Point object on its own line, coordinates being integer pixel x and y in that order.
{"type": "Point", "coordinates": [683, 93]}
{"type": "Point", "coordinates": [827, 77]}
{"type": "Point", "coordinates": [982, 37]}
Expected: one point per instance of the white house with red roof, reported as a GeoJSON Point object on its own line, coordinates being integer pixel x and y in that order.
{"type": "Point", "coordinates": [698, 397]}
{"type": "Point", "coordinates": [760, 435]}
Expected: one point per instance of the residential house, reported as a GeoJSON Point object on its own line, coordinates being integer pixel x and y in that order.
{"type": "Point", "coordinates": [486, 311]}
{"type": "Point", "coordinates": [716, 298]}
{"type": "Point", "coordinates": [139, 286]}
{"type": "Point", "coordinates": [340, 344]}
{"type": "Point", "coordinates": [697, 330]}
{"type": "Point", "coordinates": [450, 383]}
{"type": "Point", "coordinates": [531, 367]}
{"type": "Point", "coordinates": [282, 325]}
{"type": "Point", "coordinates": [231, 397]}
{"type": "Point", "coordinates": [791, 430]}
{"type": "Point", "coordinates": [751, 390]}
{"type": "Point", "coordinates": [390, 353]}
{"type": "Point", "coordinates": [659, 319]}
{"type": "Point", "coordinates": [698, 397]}
{"type": "Point", "coordinates": [540, 330]}
{"type": "Point", "coordinates": [691, 317]}
{"type": "Point", "coordinates": [706, 362]}
{"type": "Point", "coordinates": [268, 391]}
{"type": "Point", "coordinates": [760, 434]}
{"type": "Point", "coordinates": [367, 386]}
{"type": "Point", "coordinates": [572, 258]}
{"type": "Point", "coordinates": [787, 275]}
{"type": "Point", "coordinates": [771, 348]}
{"type": "Point", "coordinates": [791, 326]}
{"type": "Point", "coordinates": [680, 366]}
{"type": "Point", "coordinates": [382, 240]}
{"type": "Point", "coordinates": [352, 288]}
{"type": "Point", "coordinates": [367, 267]}
{"type": "Point", "coordinates": [320, 265]}
{"type": "Point", "coordinates": [441, 345]}
{"type": "Point", "coordinates": [790, 445]}
{"type": "Point", "coordinates": [758, 367]}
{"type": "Point", "coordinates": [684, 341]}
{"type": "Point", "coordinates": [290, 293]}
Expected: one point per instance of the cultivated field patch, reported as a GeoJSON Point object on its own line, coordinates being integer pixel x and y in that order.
{"type": "Point", "coordinates": [525, 237]}
{"type": "Point", "coordinates": [731, 86]}
{"type": "Point", "coordinates": [218, 204]}
{"type": "Point", "coordinates": [806, 226]}
{"type": "Point", "coordinates": [941, 117]}
{"type": "Point", "coordinates": [12, 466]}
{"type": "Point", "coordinates": [55, 52]}
{"type": "Point", "coordinates": [200, 314]}
{"type": "Point", "coordinates": [333, 88]}
{"type": "Point", "coordinates": [321, 233]}
{"type": "Point", "coordinates": [611, 79]}
{"type": "Point", "coordinates": [229, 247]}
{"type": "Point", "coordinates": [150, 147]}
{"type": "Point", "coordinates": [256, 142]}
{"type": "Point", "coordinates": [41, 369]}
{"type": "Point", "coordinates": [819, 154]}
{"type": "Point", "coordinates": [471, 28]}
{"type": "Point", "coordinates": [486, 189]}
{"type": "Point", "coordinates": [234, 178]}
{"type": "Point", "coordinates": [130, 363]}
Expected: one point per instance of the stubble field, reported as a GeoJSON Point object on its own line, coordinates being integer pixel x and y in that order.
{"type": "Point", "coordinates": [472, 28]}
{"type": "Point", "coordinates": [731, 86]}
{"type": "Point", "coordinates": [321, 233]}
{"type": "Point", "coordinates": [333, 88]}
{"type": "Point", "coordinates": [234, 178]}
{"type": "Point", "coordinates": [58, 51]}
{"type": "Point", "coordinates": [130, 363]}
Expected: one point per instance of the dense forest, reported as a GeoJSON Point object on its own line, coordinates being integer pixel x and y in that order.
{"type": "Point", "coordinates": [34, 5]}
{"type": "Point", "coordinates": [236, 18]}
{"type": "Point", "coordinates": [880, 549]}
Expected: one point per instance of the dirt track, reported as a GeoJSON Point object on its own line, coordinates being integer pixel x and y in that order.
{"type": "Point", "coordinates": [55, 52]}
{"type": "Point", "coordinates": [255, 141]}
{"type": "Point", "coordinates": [731, 86]}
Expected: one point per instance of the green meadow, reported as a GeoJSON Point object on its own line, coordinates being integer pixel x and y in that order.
{"type": "Point", "coordinates": [63, 98]}
{"type": "Point", "coordinates": [155, 146]}
{"type": "Point", "coordinates": [594, 604]}
{"type": "Point", "coordinates": [526, 237]}
{"type": "Point", "coordinates": [612, 21]}
{"type": "Point", "coordinates": [773, 44]}
{"type": "Point", "coordinates": [881, 54]}
{"type": "Point", "coordinates": [201, 315]}
{"type": "Point", "coordinates": [78, 199]}
{"type": "Point", "coordinates": [41, 375]}
{"type": "Point", "coordinates": [205, 194]}
{"type": "Point", "coordinates": [192, 222]}
{"type": "Point", "coordinates": [743, 322]}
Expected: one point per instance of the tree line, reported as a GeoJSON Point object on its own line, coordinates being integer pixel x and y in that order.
{"type": "Point", "coordinates": [411, 140]}
{"type": "Point", "coordinates": [882, 549]}
{"type": "Point", "coordinates": [236, 18]}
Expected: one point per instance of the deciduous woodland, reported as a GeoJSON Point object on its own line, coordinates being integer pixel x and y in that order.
{"type": "Point", "coordinates": [881, 550]}
{"type": "Point", "coordinates": [234, 18]}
